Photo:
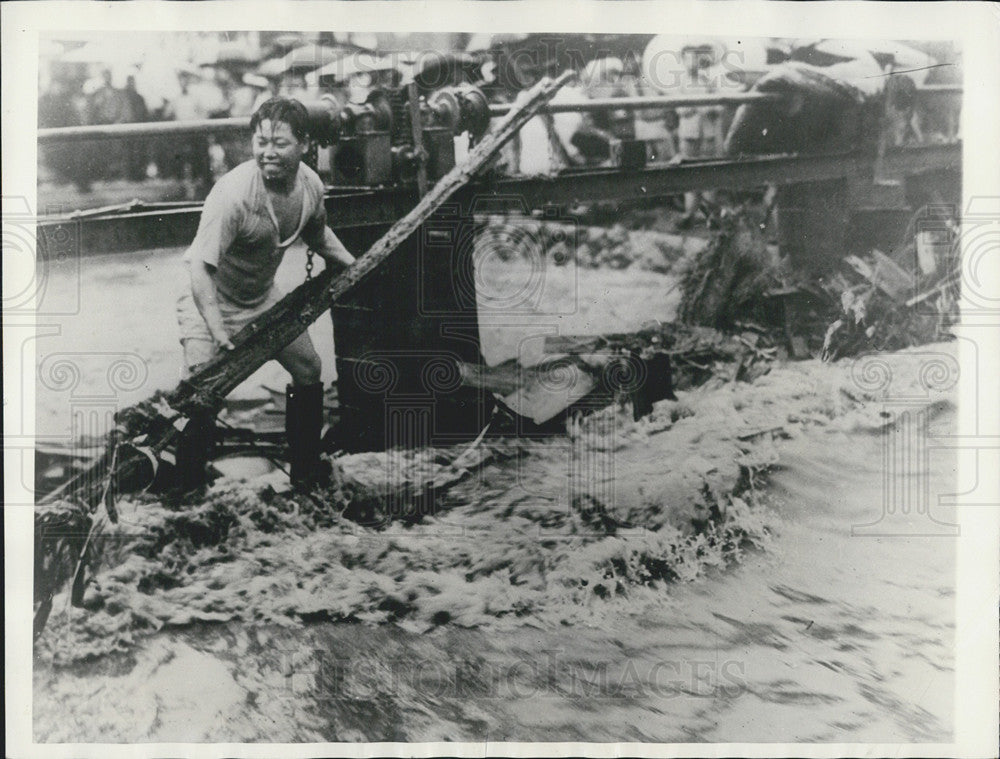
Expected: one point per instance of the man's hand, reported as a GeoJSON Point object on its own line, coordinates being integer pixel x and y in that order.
{"type": "Point", "coordinates": [225, 343]}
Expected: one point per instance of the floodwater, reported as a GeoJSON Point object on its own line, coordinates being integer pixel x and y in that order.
{"type": "Point", "coordinates": [825, 636]}
{"type": "Point", "coordinates": [821, 635]}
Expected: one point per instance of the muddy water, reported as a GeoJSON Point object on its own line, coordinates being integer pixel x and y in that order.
{"type": "Point", "coordinates": [825, 637]}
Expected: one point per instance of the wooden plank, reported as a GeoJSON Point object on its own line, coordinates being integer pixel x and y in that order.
{"type": "Point", "coordinates": [893, 275]}
{"type": "Point", "coordinates": [502, 379]}
{"type": "Point", "coordinates": [540, 402]}
{"type": "Point", "coordinates": [538, 393]}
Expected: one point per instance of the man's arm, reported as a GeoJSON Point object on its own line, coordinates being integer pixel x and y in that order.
{"type": "Point", "coordinates": [317, 233]}
{"type": "Point", "coordinates": [333, 249]}
{"type": "Point", "coordinates": [321, 239]}
{"type": "Point", "coordinates": [206, 299]}
{"type": "Point", "coordinates": [217, 229]}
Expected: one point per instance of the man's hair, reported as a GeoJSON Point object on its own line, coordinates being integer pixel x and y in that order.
{"type": "Point", "coordinates": [288, 110]}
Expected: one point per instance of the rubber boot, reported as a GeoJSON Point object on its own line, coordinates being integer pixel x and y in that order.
{"type": "Point", "coordinates": [194, 451]}
{"type": "Point", "coordinates": [303, 428]}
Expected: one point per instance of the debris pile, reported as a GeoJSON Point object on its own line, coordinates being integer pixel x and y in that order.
{"type": "Point", "coordinates": [875, 303]}
{"type": "Point", "coordinates": [728, 283]}
{"type": "Point", "coordinates": [884, 306]}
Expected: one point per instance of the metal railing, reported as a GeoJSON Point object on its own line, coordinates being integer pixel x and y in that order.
{"type": "Point", "coordinates": [216, 126]}
{"type": "Point", "coordinates": [229, 125]}
{"type": "Point", "coordinates": [641, 103]}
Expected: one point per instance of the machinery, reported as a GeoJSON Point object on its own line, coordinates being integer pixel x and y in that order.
{"type": "Point", "coordinates": [397, 136]}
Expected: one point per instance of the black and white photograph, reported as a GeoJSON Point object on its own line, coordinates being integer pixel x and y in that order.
{"type": "Point", "coordinates": [620, 384]}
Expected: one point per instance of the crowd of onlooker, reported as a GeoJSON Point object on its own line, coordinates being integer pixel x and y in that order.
{"type": "Point", "coordinates": [669, 134]}
{"type": "Point", "coordinates": [670, 66]}
{"type": "Point", "coordinates": [201, 93]}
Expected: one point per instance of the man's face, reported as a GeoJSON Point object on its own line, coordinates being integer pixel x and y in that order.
{"type": "Point", "coordinates": [276, 150]}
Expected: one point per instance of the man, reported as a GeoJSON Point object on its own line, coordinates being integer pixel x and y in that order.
{"type": "Point", "coordinates": [250, 218]}
{"type": "Point", "coordinates": [107, 105]}
{"type": "Point", "coordinates": [57, 109]}
{"type": "Point", "coordinates": [250, 95]}
{"type": "Point", "coordinates": [189, 157]}
{"type": "Point", "coordinates": [187, 105]}
{"type": "Point", "coordinates": [137, 150]}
